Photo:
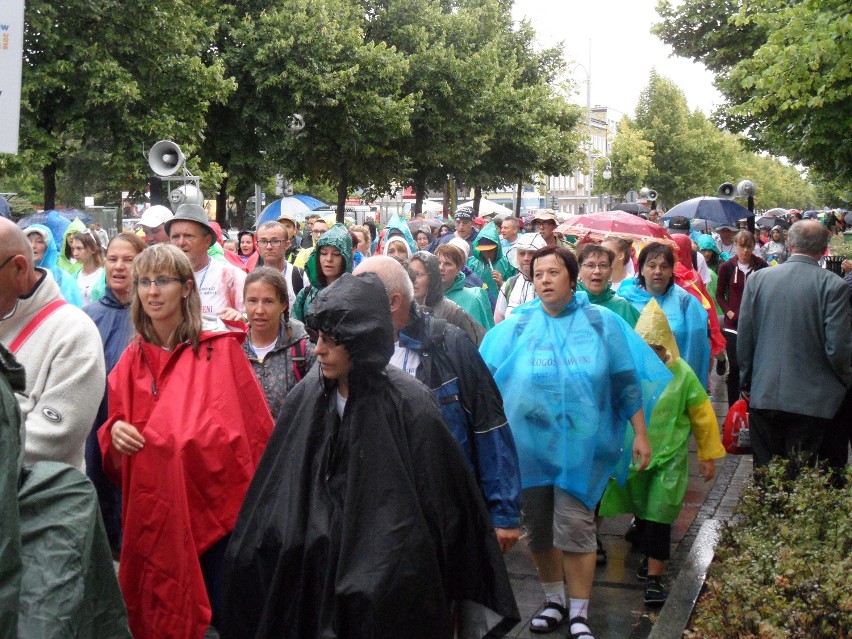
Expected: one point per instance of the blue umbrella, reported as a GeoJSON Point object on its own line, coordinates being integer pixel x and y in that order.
{"type": "Point", "coordinates": [713, 209]}
{"type": "Point", "coordinates": [43, 218]}
{"type": "Point", "coordinates": [297, 205]}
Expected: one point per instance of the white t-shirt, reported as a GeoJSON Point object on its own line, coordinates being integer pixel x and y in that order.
{"type": "Point", "coordinates": [288, 277]}
{"type": "Point", "coordinates": [87, 283]}
{"type": "Point", "coordinates": [220, 286]}
{"type": "Point", "coordinates": [263, 351]}
{"type": "Point", "coordinates": [406, 359]}
{"type": "Point", "coordinates": [341, 404]}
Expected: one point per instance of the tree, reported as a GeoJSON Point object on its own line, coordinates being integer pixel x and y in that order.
{"type": "Point", "coordinates": [785, 69]}
{"type": "Point", "coordinates": [631, 156]}
{"type": "Point", "coordinates": [100, 85]}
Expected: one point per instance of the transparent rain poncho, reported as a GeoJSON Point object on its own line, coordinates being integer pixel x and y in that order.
{"type": "Point", "coordinates": [570, 384]}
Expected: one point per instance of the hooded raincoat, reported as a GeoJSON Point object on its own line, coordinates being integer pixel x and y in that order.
{"type": "Point", "coordinates": [62, 261]}
{"type": "Point", "coordinates": [474, 301]}
{"type": "Point", "coordinates": [688, 279]}
{"type": "Point", "coordinates": [338, 237]}
{"type": "Point", "coordinates": [483, 268]}
{"type": "Point", "coordinates": [687, 319]}
{"type": "Point", "coordinates": [441, 307]}
{"type": "Point", "coordinates": [56, 572]}
{"type": "Point", "coordinates": [67, 284]}
{"type": "Point", "coordinates": [657, 493]}
{"type": "Point", "coordinates": [570, 384]}
{"type": "Point", "coordinates": [609, 299]}
{"type": "Point", "coordinates": [206, 424]}
{"type": "Point", "coordinates": [367, 525]}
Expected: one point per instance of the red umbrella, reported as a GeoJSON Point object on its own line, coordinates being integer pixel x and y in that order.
{"type": "Point", "coordinates": [597, 226]}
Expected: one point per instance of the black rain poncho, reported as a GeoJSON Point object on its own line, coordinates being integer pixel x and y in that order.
{"type": "Point", "coordinates": [365, 526]}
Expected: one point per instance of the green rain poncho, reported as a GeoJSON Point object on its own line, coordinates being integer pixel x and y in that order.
{"type": "Point", "coordinates": [656, 493]}
{"type": "Point", "coordinates": [617, 304]}
{"type": "Point", "coordinates": [472, 300]}
{"type": "Point", "coordinates": [338, 237]}
{"type": "Point", "coordinates": [63, 262]}
{"type": "Point", "coordinates": [483, 268]}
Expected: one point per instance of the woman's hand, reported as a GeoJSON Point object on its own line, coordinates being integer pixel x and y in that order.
{"type": "Point", "coordinates": [707, 469]}
{"type": "Point", "coordinates": [126, 439]}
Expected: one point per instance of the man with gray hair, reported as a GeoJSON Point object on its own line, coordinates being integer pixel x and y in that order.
{"type": "Point", "coordinates": [441, 356]}
{"type": "Point", "coordinates": [794, 349]}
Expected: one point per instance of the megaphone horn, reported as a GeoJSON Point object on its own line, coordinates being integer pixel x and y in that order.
{"type": "Point", "coordinates": [746, 188]}
{"type": "Point", "coordinates": [165, 158]}
{"type": "Point", "coordinates": [652, 195]}
{"type": "Point", "coordinates": [726, 190]}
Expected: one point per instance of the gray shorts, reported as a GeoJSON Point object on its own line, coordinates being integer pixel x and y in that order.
{"type": "Point", "coordinates": [554, 519]}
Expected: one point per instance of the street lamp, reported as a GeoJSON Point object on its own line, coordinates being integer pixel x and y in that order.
{"type": "Point", "coordinates": [588, 73]}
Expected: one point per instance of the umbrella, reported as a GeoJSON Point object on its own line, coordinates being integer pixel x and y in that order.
{"type": "Point", "coordinates": [709, 208]}
{"type": "Point", "coordinates": [768, 221]}
{"type": "Point", "coordinates": [631, 207]}
{"type": "Point", "coordinates": [609, 223]}
{"type": "Point", "coordinates": [428, 206]}
{"type": "Point", "coordinates": [297, 205]}
{"type": "Point", "coordinates": [41, 218]}
{"type": "Point", "coordinates": [432, 223]}
{"type": "Point", "coordinates": [776, 212]}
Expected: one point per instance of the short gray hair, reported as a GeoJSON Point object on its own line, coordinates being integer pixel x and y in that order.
{"type": "Point", "coordinates": [393, 275]}
{"type": "Point", "coordinates": [809, 237]}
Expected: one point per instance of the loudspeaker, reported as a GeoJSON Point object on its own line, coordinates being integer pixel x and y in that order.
{"type": "Point", "coordinates": [726, 190]}
{"type": "Point", "coordinates": [186, 194]}
{"type": "Point", "coordinates": [746, 188]}
{"type": "Point", "coordinates": [652, 195]}
{"type": "Point", "coordinates": [645, 193]}
{"type": "Point", "coordinates": [165, 158]}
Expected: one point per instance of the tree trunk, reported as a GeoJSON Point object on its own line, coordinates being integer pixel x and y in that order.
{"type": "Point", "coordinates": [477, 196]}
{"type": "Point", "coordinates": [48, 174]}
{"type": "Point", "coordinates": [518, 195]}
{"type": "Point", "coordinates": [419, 191]}
{"type": "Point", "coordinates": [222, 204]}
{"type": "Point", "coordinates": [342, 190]}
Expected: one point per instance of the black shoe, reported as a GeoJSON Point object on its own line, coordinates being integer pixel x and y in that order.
{"type": "Point", "coordinates": [642, 570]}
{"type": "Point", "coordinates": [601, 556]}
{"type": "Point", "coordinates": [655, 593]}
{"type": "Point", "coordinates": [632, 534]}
{"type": "Point", "coordinates": [722, 367]}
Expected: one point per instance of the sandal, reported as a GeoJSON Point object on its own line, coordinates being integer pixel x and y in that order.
{"type": "Point", "coordinates": [582, 633]}
{"type": "Point", "coordinates": [551, 622]}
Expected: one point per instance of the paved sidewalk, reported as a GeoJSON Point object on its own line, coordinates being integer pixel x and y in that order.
{"type": "Point", "coordinates": [617, 609]}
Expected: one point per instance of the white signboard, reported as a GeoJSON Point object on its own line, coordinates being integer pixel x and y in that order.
{"type": "Point", "coordinates": [11, 55]}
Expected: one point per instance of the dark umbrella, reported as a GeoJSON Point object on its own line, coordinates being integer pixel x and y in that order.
{"type": "Point", "coordinates": [432, 223]}
{"type": "Point", "coordinates": [768, 222]}
{"type": "Point", "coordinates": [41, 218]}
{"type": "Point", "coordinates": [713, 209]}
{"type": "Point", "coordinates": [631, 207]}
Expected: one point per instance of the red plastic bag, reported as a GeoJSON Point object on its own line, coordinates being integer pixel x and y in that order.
{"type": "Point", "coordinates": [736, 437]}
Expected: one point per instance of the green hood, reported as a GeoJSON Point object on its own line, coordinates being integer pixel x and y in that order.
{"type": "Point", "coordinates": [63, 262]}
{"type": "Point", "coordinates": [338, 237]}
{"type": "Point", "coordinates": [488, 232]}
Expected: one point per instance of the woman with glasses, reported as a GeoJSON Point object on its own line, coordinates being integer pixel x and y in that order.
{"type": "Point", "coordinates": [595, 269]}
{"type": "Point", "coordinates": [187, 426]}
{"type": "Point", "coordinates": [88, 253]}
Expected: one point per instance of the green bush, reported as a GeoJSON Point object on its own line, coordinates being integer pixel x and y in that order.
{"type": "Point", "coordinates": [782, 567]}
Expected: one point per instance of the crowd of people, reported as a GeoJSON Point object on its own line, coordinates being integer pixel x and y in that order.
{"type": "Point", "coordinates": [327, 431]}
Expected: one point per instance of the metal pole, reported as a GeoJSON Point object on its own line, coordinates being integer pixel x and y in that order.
{"type": "Point", "coordinates": [589, 124]}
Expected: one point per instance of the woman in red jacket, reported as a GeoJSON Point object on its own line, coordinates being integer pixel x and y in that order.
{"type": "Point", "coordinates": [187, 426]}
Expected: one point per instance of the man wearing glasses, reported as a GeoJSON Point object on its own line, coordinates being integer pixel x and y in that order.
{"type": "Point", "coordinates": [60, 349]}
{"type": "Point", "coordinates": [272, 242]}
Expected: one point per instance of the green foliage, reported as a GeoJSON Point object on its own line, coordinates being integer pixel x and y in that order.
{"type": "Point", "coordinates": [782, 568]}
{"type": "Point", "coordinates": [632, 158]}
{"type": "Point", "coordinates": [785, 69]}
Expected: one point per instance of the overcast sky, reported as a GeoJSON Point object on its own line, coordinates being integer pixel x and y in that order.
{"type": "Point", "coordinates": [623, 50]}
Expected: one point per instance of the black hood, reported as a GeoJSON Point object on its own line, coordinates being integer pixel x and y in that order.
{"type": "Point", "coordinates": [436, 286]}
{"type": "Point", "coordinates": [355, 311]}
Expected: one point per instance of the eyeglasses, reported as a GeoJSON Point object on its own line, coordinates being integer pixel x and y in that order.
{"type": "Point", "coordinates": [160, 282]}
{"type": "Point", "coordinates": [327, 338]}
{"type": "Point", "coordinates": [318, 233]}
{"type": "Point", "coordinates": [8, 259]}
{"type": "Point", "coordinates": [273, 242]}
{"type": "Point", "coordinates": [596, 267]}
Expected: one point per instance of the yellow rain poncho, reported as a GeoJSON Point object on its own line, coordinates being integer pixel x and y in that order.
{"type": "Point", "coordinates": [656, 494]}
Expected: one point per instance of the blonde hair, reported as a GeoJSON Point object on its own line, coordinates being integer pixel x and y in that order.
{"type": "Point", "coordinates": [167, 258]}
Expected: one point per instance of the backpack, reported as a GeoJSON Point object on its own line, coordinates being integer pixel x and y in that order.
{"type": "Point", "coordinates": [298, 355]}
{"type": "Point", "coordinates": [297, 281]}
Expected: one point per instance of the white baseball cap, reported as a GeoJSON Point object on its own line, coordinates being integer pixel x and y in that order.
{"type": "Point", "coordinates": [155, 215]}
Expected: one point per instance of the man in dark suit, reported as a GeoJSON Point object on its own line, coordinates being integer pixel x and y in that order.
{"type": "Point", "coordinates": [794, 349]}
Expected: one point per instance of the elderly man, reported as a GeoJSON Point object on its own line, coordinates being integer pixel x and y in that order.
{"type": "Point", "coordinates": [794, 350]}
{"type": "Point", "coordinates": [273, 240]}
{"type": "Point", "coordinates": [442, 357]}
{"type": "Point", "coordinates": [544, 223]}
{"type": "Point", "coordinates": [509, 230]}
{"type": "Point", "coordinates": [60, 348]}
{"type": "Point", "coordinates": [219, 284]}
{"type": "Point", "coordinates": [153, 222]}
{"type": "Point", "coordinates": [362, 520]}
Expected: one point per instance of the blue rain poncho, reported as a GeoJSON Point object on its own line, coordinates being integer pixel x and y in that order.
{"type": "Point", "coordinates": [570, 385]}
{"type": "Point", "coordinates": [66, 283]}
{"type": "Point", "coordinates": [687, 319]}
